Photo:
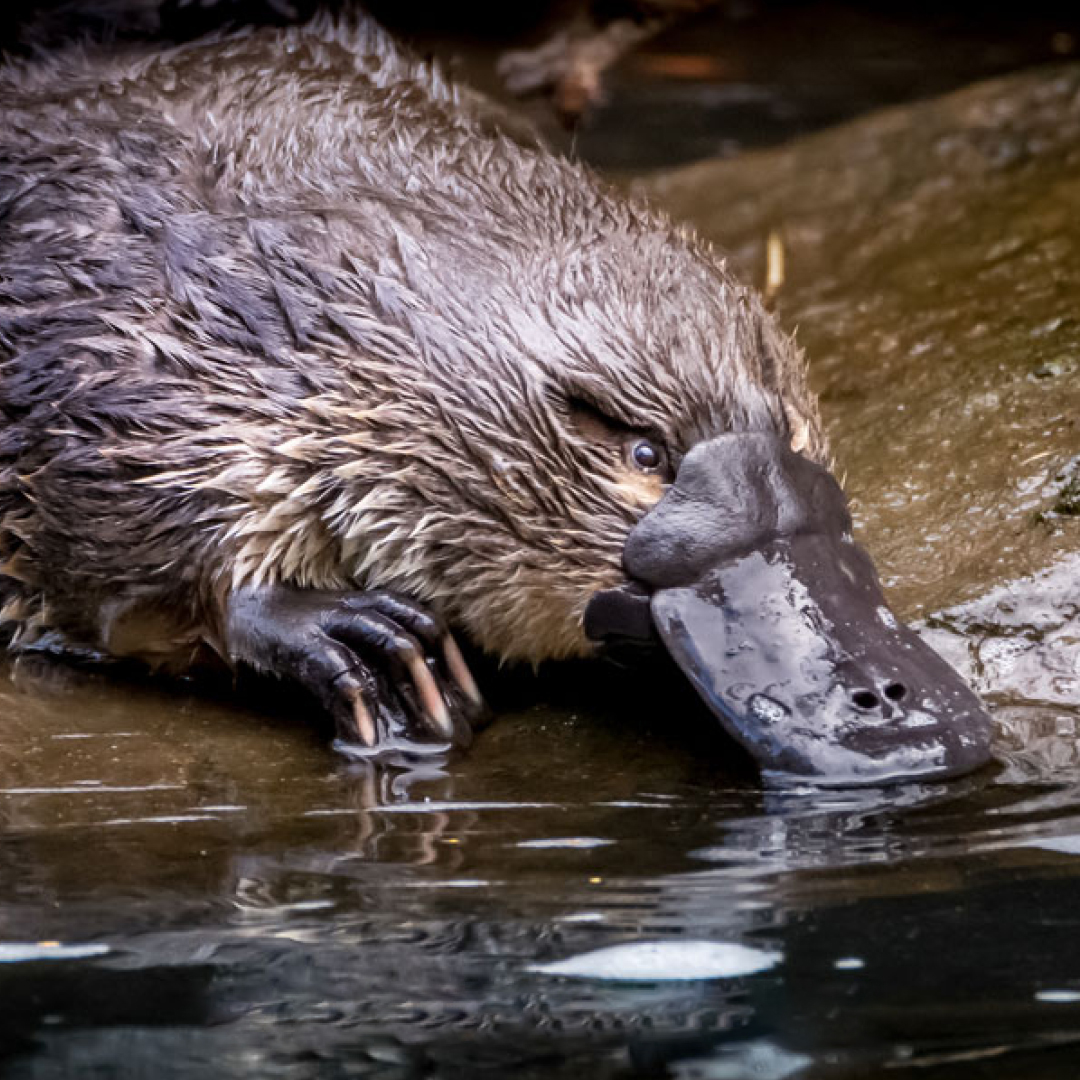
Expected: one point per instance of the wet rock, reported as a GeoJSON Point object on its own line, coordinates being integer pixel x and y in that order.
{"type": "Point", "coordinates": [1067, 503]}
{"type": "Point", "coordinates": [931, 263]}
{"type": "Point", "coordinates": [1020, 641]}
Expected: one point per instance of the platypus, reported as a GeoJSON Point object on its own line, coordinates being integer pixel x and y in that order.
{"type": "Point", "coordinates": [307, 366]}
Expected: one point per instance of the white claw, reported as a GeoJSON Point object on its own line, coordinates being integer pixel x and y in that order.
{"type": "Point", "coordinates": [365, 725]}
{"type": "Point", "coordinates": [459, 671]}
{"type": "Point", "coordinates": [431, 700]}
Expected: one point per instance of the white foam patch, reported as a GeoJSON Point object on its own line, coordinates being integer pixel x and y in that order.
{"type": "Point", "coordinates": [849, 963]}
{"type": "Point", "coordinates": [21, 952]}
{"type": "Point", "coordinates": [1065, 845]}
{"type": "Point", "coordinates": [656, 961]}
{"type": "Point", "coordinates": [91, 787]}
{"type": "Point", "coordinates": [437, 806]}
{"type": "Point", "coordinates": [449, 883]}
{"type": "Point", "coordinates": [581, 842]}
{"type": "Point", "coordinates": [760, 1060]}
{"type": "Point", "coordinates": [1058, 997]}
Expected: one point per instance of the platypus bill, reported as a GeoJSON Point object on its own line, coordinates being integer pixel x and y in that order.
{"type": "Point", "coordinates": [304, 362]}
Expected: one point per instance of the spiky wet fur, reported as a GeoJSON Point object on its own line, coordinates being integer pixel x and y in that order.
{"type": "Point", "coordinates": [280, 307]}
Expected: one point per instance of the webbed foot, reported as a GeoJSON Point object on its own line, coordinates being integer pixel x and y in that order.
{"type": "Point", "coordinates": [381, 665]}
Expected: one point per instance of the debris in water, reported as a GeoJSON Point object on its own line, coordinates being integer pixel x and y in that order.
{"type": "Point", "coordinates": [18, 952]}
{"type": "Point", "coordinates": [849, 963]}
{"type": "Point", "coordinates": [655, 961]}
{"type": "Point", "coordinates": [1058, 997]}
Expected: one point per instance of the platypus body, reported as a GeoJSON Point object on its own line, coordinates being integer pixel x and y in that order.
{"type": "Point", "coordinates": [303, 362]}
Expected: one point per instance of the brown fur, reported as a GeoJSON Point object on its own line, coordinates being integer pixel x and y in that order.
{"type": "Point", "coordinates": [282, 307]}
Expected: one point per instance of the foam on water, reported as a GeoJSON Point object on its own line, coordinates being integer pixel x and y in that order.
{"type": "Point", "coordinates": [655, 961]}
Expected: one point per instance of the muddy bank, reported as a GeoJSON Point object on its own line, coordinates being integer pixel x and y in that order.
{"type": "Point", "coordinates": [931, 263]}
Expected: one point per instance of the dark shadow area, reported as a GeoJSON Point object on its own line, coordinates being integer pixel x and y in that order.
{"type": "Point", "coordinates": [736, 76]}
{"type": "Point", "coordinates": [53, 997]}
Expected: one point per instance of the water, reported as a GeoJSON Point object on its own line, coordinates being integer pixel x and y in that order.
{"type": "Point", "coordinates": [188, 888]}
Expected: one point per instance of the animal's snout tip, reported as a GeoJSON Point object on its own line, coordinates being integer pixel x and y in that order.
{"type": "Point", "coordinates": [800, 667]}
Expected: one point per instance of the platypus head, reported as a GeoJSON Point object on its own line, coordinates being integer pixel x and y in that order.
{"type": "Point", "coordinates": [615, 441]}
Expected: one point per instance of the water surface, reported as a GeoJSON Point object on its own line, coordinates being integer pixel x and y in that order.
{"type": "Point", "coordinates": [190, 889]}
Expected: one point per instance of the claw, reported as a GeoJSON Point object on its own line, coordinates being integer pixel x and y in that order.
{"type": "Point", "coordinates": [459, 671]}
{"type": "Point", "coordinates": [370, 659]}
{"type": "Point", "coordinates": [365, 723]}
{"type": "Point", "coordinates": [427, 690]}
{"type": "Point", "coordinates": [351, 689]}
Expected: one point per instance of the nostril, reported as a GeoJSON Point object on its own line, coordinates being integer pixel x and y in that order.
{"type": "Point", "coordinates": [896, 691]}
{"type": "Point", "coordinates": [865, 699]}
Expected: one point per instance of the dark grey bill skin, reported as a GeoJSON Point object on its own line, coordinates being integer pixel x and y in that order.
{"type": "Point", "coordinates": [747, 572]}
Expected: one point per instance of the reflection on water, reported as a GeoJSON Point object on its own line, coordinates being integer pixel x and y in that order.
{"type": "Point", "coordinates": [188, 889]}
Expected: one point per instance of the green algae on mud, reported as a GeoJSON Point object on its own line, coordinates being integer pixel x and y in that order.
{"type": "Point", "coordinates": [932, 265]}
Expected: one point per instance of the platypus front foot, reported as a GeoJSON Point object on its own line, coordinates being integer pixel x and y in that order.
{"type": "Point", "coordinates": [382, 666]}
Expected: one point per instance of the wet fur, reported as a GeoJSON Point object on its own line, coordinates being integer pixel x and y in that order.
{"type": "Point", "coordinates": [285, 307]}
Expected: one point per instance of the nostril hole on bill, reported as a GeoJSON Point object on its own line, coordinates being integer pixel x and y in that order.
{"type": "Point", "coordinates": [865, 699]}
{"type": "Point", "coordinates": [896, 691]}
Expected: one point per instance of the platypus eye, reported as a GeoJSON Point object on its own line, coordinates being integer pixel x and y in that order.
{"type": "Point", "coordinates": [640, 452]}
{"type": "Point", "coordinates": [646, 455]}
